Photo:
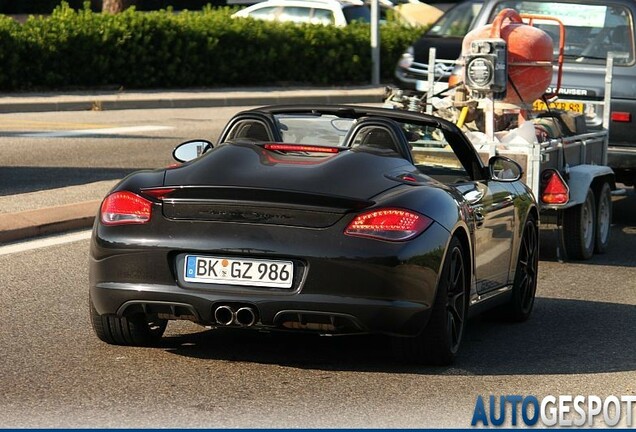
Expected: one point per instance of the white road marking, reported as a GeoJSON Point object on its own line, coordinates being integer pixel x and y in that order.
{"type": "Point", "coordinates": [44, 242]}
{"type": "Point", "coordinates": [100, 131]}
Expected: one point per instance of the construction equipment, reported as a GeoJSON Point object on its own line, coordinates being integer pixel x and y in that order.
{"type": "Point", "coordinates": [498, 98]}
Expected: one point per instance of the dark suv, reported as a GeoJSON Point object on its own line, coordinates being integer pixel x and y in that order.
{"type": "Point", "coordinates": [446, 36]}
{"type": "Point", "coordinates": [593, 28]}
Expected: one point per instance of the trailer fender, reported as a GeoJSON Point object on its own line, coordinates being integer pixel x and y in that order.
{"type": "Point", "coordinates": [580, 179]}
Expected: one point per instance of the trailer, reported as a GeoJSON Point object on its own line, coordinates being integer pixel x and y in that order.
{"type": "Point", "coordinates": [565, 165]}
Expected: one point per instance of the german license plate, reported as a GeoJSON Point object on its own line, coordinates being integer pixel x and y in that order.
{"type": "Point", "coordinates": [239, 271]}
{"type": "Point", "coordinates": [578, 107]}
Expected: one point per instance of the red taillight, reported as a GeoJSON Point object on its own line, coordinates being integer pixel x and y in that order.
{"type": "Point", "coordinates": [622, 117]}
{"type": "Point", "coordinates": [159, 193]}
{"type": "Point", "coordinates": [556, 191]}
{"type": "Point", "coordinates": [388, 224]}
{"type": "Point", "coordinates": [125, 207]}
{"type": "Point", "coordinates": [301, 148]}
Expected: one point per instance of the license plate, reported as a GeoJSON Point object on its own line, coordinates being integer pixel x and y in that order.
{"type": "Point", "coordinates": [578, 107]}
{"type": "Point", "coordinates": [239, 271]}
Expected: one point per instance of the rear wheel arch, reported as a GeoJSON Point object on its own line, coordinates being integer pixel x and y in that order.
{"type": "Point", "coordinates": [533, 213]}
{"type": "Point", "coordinates": [524, 284]}
{"type": "Point", "coordinates": [440, 339]}
{"type": "Point", "coordinates": [467, 249]}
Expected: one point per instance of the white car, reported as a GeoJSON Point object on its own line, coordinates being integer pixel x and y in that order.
{"type": "Point", "coordinates": [331, 12]}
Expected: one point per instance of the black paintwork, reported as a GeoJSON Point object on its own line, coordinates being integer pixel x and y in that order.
{"type": "Point", "coordinates": [241, 200]}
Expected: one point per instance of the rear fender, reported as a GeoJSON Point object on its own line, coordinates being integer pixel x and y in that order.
{"type": "Point", "coordinates": [581, 178]}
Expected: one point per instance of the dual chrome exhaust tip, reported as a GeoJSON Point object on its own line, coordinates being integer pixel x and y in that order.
{"type": "Point", "coordinates": [226, 315]}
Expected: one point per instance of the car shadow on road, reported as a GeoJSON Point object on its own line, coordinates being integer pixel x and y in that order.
{"type": "Point", "coordinates": [562, 337]}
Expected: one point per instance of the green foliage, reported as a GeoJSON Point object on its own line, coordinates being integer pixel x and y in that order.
{"type": "Point", "coordinates": [47, 6]}
{"type": "Point", "coordinates": [162, 49]}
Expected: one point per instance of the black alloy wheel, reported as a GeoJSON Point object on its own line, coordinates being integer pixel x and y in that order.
{"type": "Point", "coordinates": [456, 304]}
{"type": "Point", "coordinates": [525, 284]}
{"type": "Point", "coordinates": [439, 342]}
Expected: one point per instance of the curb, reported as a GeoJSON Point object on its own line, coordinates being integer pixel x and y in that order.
{"type": "Point", "coordinates": [50, 220]}
{"type": "Point", "coordinates": [212, 99]}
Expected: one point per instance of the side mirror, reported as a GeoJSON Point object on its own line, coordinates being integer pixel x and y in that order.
{"type": "Point", "coordinates": [190, 150]}
{"type": "Point", "coordinates": [504, 169]}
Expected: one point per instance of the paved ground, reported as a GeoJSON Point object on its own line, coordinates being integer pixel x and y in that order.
{"type": "Point", "coordinates": [37, 213]}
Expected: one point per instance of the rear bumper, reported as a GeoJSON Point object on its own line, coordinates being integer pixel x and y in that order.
{"type": "Point", "coordinates": [623, 161]}
{"type": "Point", "coordinates": [356, 285]}
{"type": "Point", "coordinates": [319, 313]}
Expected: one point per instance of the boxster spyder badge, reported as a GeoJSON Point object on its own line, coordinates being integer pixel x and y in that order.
{"type": "Point", "coordinates": [325, 219]}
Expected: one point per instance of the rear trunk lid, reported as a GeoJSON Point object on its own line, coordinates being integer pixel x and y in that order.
{"type": "Point", "coordinates": [248, 184]}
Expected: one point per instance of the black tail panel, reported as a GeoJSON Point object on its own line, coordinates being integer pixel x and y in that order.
{"type": "Point", "coordinates": [260, 206]}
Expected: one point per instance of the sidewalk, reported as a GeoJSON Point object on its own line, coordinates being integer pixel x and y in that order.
{"type": "Point", "coordinates": [42, 213]}
{"type": "Point", "coordinates": [201, 98]}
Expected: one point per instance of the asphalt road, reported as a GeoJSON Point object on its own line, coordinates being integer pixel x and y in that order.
{"type": "Point", "coordinates": [55, 373]}
{"type": "Point", "coordinates": [41, 151]}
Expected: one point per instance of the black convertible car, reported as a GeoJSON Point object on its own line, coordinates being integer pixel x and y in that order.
{"type": "Point", "coordinates": [326, 219]}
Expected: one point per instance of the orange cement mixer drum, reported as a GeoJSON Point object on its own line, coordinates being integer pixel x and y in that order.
{"type": "Point", "coordinates": [530, 55]}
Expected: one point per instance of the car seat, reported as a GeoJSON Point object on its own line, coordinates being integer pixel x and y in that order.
{"type": "Point", "coordinates": [253, 130]}
{"type": "Point", "coordinates": [379, 138]}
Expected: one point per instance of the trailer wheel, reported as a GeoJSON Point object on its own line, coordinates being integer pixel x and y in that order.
{"type": "Point", "coordinates": [603, 219]}
{"type": "Point", "coordinates": [579, 226]}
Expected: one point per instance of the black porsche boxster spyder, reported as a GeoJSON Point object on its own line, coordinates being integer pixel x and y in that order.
{"type": "Point", "coordinates": [330, 219]}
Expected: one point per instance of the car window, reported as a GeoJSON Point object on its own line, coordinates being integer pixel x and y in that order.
{"type": "Point", "coordinates": [431, 152]}
{"type": "Point", "coordinates": [268, 13]}
{"type": "Point", "coordinates": [323, 16]}
{"type": "Point", "coordinates": [249, 129]}
{"type": "Point", "coordinates": [327, 130]}
{"type": "Point", "coordinates": [375, 137]}
{"type": "Point", "coordinates": [296, 14]}
{"type": "Point", "coordinates": [456, 21]}
{"type": "Point", "coordinates": [433, 155]}
{"type": "Point", "coordinates": [591, 31]}
{"type": "Point", "coordinates": [356, 13]}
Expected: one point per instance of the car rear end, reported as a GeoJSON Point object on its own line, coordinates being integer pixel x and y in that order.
{"type": "Point", "coordinates": [269, 257]}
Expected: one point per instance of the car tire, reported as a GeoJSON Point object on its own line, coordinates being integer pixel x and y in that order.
{"type": "Point", "coordinates": [524, 287]}
{"type": "Point", "coordinates": [603, 219]}
{"type": "Point", "coordinates": [579, 226]}
{"type": "Point", "coordinates": [134, 330]}
{"type": "Point", "coordinates": [439, 342]}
